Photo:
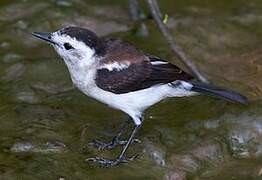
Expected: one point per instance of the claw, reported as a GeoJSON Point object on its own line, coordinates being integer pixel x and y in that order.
{"type": "Point", "coordinates": [108, 162]}
{"type": "Point", "coordinates": [102, 145]}
{"type": "Point", "coordinates": [104, 162]}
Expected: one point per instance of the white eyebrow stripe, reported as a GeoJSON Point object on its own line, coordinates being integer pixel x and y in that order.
{"type": "Point", "coordinates": [158, 62]}
{"type": "Point", "coordinates": [115, 66]}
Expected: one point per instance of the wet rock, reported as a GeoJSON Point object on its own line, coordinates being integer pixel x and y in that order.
{"type": "Point", "coordinates": [247, 19]}
{"type": "Point", "coordinates": [176, 175]}
{"type": "Point", "coordinates": [212, 124]}
{"type": "Point", "coordinates": [40, 116]}
{"type": "Point", "coordinates": [203, 159]}
{"type": "Point", "coordinates": [5, 45]}
{"type": "Point", "coordinates": [48, 76]}
{"type": "Point", "coordinates": [48, 147]}
{"type": "Point", "coordinates": [52, 146]}
{"type": "Point", "coordinates": [209, 152]}
{"type": "Point", "coordinates": [244, 134]}
{"type": "Point", "coordinates": [14, 72]}
{"type": "Point", "coordinates": [185, 162]}
{"type": "Point", "coordinates": [22, 25]}
{"type": "Point", "coordinates": [11, 57]}
{"type": "Point", "coordinates": [64, 3]}
{"type": "Point", "coordinates": [258, 150]}
{"type": "Point", "coordinates": [211, 149]}
{"type": "Point", "coordinates": [17, 11]}
{"type": "Point", "coordinates": [22, 147]}
{"type": "Point", "coordinates": [259, 172]}
{"type": "Point", "coordinates": [238, 146]}
{"type": "Point", "coordinates": [53, 88]}
{"type": "Point", "coordinates": [219, 44]}
{"type": "Point", "coordinates": [155, 153]}
{"type": "Point", "coordinates": [245, 142]}
{"type": "Point", "coordinates": [27, 97]}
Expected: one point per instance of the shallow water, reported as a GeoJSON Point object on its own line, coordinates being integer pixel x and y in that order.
{"type": "Point", "coordinates": [46, 124]}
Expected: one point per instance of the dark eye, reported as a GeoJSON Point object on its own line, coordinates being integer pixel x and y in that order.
{"type": "Point", "coordinates": [68, 46]}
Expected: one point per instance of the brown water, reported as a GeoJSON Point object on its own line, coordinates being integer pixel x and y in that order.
{"type": "Point", "coordinates": [45, 124]}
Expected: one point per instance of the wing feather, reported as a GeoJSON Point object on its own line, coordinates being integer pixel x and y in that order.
{"type": "Point", "coordinates": [138, 76]}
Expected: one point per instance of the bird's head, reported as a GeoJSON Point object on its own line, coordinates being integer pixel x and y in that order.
{"type": "Point", "coordinates": [74, 44]}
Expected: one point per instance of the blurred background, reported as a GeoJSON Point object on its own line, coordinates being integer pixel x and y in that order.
{"type": "Point", "coordinates": [46, 124]}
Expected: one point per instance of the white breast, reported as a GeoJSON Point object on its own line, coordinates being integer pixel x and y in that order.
{"type": "Point", "coordinates": [132, 103]}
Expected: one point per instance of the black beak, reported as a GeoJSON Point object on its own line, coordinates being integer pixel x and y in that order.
{"type": "Point", "coordinates": [44, 36]}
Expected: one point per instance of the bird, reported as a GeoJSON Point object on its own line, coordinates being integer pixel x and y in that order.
{"type": "Point", "coordinates": [125, 78]}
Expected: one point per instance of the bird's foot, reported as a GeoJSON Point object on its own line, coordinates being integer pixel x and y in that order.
{"type": "Point", "coordinates": [102, 145]}
{"type": "Point", "coordinates": [109, 163]}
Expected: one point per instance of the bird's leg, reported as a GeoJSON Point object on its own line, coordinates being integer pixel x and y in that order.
{"type": "Point", "coordinates": [115, 141]}
{"type": "Point", "coordinates": [121, 158]}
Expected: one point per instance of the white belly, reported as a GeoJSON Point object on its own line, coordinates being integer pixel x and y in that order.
{"type": "Point", "coordinates": [133, 103]}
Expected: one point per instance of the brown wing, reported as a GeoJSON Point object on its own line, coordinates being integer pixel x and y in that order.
{"type": "Point", "coordinates": [138, 76]}
{"type": "Point", "coordinates": [165, 72]}
{"type": "Point", "coordinates": [127, 80]}
{"type": "Point", "coordinates": [121, 52]}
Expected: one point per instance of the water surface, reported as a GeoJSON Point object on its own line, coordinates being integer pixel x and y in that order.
{"type": "Point", "coordinates": [46, 124]}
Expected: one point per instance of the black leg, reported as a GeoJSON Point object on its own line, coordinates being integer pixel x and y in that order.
{"type": "Point", "coordinates": [121, 158]}
{"type": "Point", "coordinates": [115, 141]}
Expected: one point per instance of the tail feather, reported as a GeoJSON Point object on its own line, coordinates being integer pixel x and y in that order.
{"type": "Point", "coordinates": [218, 92]}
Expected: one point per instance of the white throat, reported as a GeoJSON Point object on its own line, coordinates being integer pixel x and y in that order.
{"type": "Point", "coordinates": [80, 55]}
{"type": "Point", "coordinates": [80, 60]}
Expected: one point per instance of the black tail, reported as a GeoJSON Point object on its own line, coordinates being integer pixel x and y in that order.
{"type": "Point", "coordinates": [218, 92]}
